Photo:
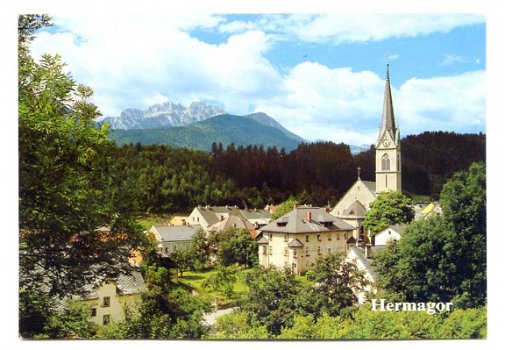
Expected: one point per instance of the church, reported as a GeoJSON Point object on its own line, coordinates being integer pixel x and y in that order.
{"type": "Point", "coordinates": [297, 239]}
{"type": "Point", "coordinates": [388, 175]}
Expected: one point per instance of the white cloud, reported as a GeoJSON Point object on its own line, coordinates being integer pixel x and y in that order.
{"type": "Point", "coordinates": [342, 105]}
{"type": "Point", "coordinates": [336, 28]}
{"type": "Point", "coordinates": [130, 61]}
{"type": "Point", "coordinates": [136, 62]}
{"type": "Point", "coordinates": [451, 59]}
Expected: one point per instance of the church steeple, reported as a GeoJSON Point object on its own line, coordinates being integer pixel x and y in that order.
{"type": "Point", "coordinates": [388, 115]}
{"type": "Point", "coordinates": [388, 166]}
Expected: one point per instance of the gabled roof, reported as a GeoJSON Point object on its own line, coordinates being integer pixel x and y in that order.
{"type": "Point", "coordinates": [176, 233]}
{"type": "Point", "coordinates": [399, 228]}
{"type": "Point", "coordinates": [356, 209]}
{"type": "Point", "coordinates": [127, 283]}
{"type": "Point", "coordinates": [211, 214]}
{"type": "Point", "coordinates": [263, 240]}
{"type": "Point", "coordinates": [234, 221]}
{"type": "Point", "coordinates": [297, 221]}
{"type": "Point", "coordinates": [255, 214]}
{"type": "Point", "coordinates": [295, 243]}
{"type": "Point", "coordinates": [370, 185]}
{"type": "Point", "coordinates": [358, 252]}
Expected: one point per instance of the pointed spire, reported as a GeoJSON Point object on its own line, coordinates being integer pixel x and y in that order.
{"type": "Point", "coordinates": [388, 116]}
{"type": "Point", "coordinates": [359, 172]}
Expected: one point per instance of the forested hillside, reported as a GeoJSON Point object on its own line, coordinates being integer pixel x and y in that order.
{"type": "Point", "coordinates": [239, 130]}
{"type": "Point", "coordinates": [164, 179]}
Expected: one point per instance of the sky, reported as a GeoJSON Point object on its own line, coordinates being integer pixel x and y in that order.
{"type": "Point", "coordinates": [320, 75]}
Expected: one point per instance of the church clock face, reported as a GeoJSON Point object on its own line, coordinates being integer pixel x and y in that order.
{"type": "Point", "coordinates": [385, 143]}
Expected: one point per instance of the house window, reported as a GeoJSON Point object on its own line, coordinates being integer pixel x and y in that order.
{"type": "Point", "coordinates": [264, 250]}
{"type": "Point", "coordinates": [270, 250]}
{"type": "Point", "coordinates": [318, 250]}
{"type": "Point", "coordinates": [285, 238]}
{"type": "Point", "coordinates": [198, 219]}
{"type": "Point", "coordinates": [319, 237]}
{"type": "Point", "coordinates": [106, 319]}
{"type": "Point", "coordinates": [93, 312]}
{"type": "Point", "coordinates": [106, 302]}
{"type": "Point", "coordinates": [175, 247]}
{"type": "Point", "coordinates": [270, 236]}
{"type": "Point", "coordinates": [294, 253]}
{"type": "Point", "coordinates": [338, 236]}
{"type": "Point", "coordinates": [306, 238]}
{"type": "Point", "coordinates": [285, 251]}
{"type": "Point", "coordinates": [329, 250]}
{"type": "Point", "coordinates": [306, 251]}
{"type": "Point", "coordinates": [345, 235]}
{"type": "Point", "coordinates": [329, 237]}
{"type": "Point", "coordinates": [385, 162]}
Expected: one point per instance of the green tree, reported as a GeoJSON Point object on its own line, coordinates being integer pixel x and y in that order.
{"type": "Point", "coordinates": [184, 259]}
{"type": "Point", "coordinates": [222, 280]}
{"type": "Point", "coordinates": [388, 208]}
{"type": "Point", "coordinates": [284, 208]}
{"type": "Point", "coordinates": [335, 280]}
{"type": "Point", "coordinates": [201, 250]}
{"type": "Point", "coordinates": [442, 258]}
{"type": "Point", "coordinates": [271, 298]}
{"type": "Point", "coordinates": [238, 325]}
{"type": "Point", "coordinates": [234, 246]}
{"type": "Point", "coordinates": [65, 179]}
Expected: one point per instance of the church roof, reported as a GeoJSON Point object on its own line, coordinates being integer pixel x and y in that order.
{"type": "Point", "coordinates": [355, 209]}
{"type": "Point", "coordinates": [388, 116]}
{"type": "Point", "coordinates": [370, 185]}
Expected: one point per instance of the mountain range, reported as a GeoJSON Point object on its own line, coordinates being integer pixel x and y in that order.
{"type": "Point", "coordinates": [224, 128]}
{"type": "Point", "coordinates": [199, 125]}
{"type": "Point", "coordinates": [163, 115]}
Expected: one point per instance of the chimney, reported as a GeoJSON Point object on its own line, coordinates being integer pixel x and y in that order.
{"type": "Point", "coordinates": [327, 209]}
{"type": "Point", "coordinates": [368, 251]}
{"type": "Point", "coordinates": [309, 216]}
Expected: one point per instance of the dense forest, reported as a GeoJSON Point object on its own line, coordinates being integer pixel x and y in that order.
{"type": "Point", "coordinates": [159, 178]}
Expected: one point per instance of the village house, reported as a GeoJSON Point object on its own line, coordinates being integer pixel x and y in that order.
{"type": "Point", "coordinates": [178, 220]}
{"type": "Point", "coordinates": [362, 259]}
{"type": "Point", "coordinates": [108, 296]}
{"type": "Point", "coordinates": [170, 239]}
{"type": "Point", "coordinates": [297, 239]}
{"type": "Point", "coordinates": [391, 233]}
{"type": "Point", "coordinates": [207, 216]}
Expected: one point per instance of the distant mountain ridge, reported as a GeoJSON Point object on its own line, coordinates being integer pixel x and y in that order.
{"type": "Point", "coordinates": [224, 128]}
{"type": "Point", "coordinates": [163, 115]}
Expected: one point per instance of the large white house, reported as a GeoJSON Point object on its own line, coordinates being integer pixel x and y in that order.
{"type": "Point", "coordinates": [297, 239]}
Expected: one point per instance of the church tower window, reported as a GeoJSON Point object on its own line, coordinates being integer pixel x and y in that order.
{"type": "Point", "coordinates": [385, 162]}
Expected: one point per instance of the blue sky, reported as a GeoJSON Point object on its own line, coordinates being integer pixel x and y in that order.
{"type": "Point", "coordinates": [320, 75]}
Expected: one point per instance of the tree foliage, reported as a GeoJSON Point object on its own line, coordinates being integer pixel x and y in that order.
{"type": "Point", "coordinates": [366, 324]}
{"type": "Point", "coordinates": [234, 246]}
{"type": "Point", "coordinates": [336, 281]}
{"type": "Point", "coordinates": [64, 178]}
{"type": "Point", "coordinates": [222, 280]}
{"type": "Point", "coordinates": [65, 191]}
{"type": "Point", "coordinates": [388, 208]}
{"type": "Point", "coordinates": [443, 258]}
{"type": "Point", "coordinates": [284, 208]}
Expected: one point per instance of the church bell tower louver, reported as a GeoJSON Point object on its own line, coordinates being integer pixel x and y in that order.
{"type": "Point", "coordinates": [388, 163]}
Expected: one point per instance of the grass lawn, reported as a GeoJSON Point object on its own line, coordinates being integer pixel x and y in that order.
{"type": "Point", "coordinates": [196, 279]}
{"type": "Point", "coordinates": [153, 219]}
